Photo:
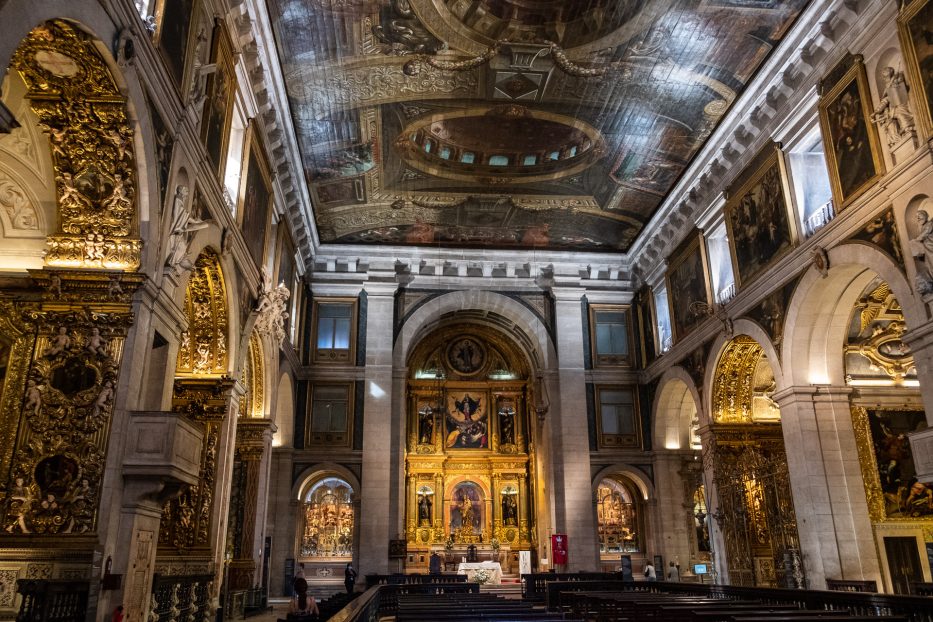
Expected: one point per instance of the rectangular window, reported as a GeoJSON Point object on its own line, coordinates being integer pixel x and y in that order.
{"type": "Point", "coordinates": [331, 406]}
{"type": "Point", "coordinates": [611, 334]}
{"type": "Point", "coordinates": [334, 327]}
{"type": "Point", "coordinates": [618, 417]}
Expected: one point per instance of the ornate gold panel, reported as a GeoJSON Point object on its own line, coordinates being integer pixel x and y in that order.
{"type": "Point", "coordinates": [67, 401]}
{"type": "Point", "coordinates": [80, 107]}
{"type": "Point", "coordinates": [251, 405]}
{"type": "Point", "coordinates": [203, 348]}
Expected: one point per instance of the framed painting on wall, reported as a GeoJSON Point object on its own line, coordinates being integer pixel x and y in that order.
{"type": "Point", "coordinates": [688, 287]}
{"type": "Point", "coordinates": [853, 152]}
{"type": "Point", "coordinates": [915, 27]}
{"type": "Point", "coordinates": [255, 207]}
{"type": "Point", "coordinates": [760, 227]}
{"type": "Point", "coordinates": [467, 420]}
{"type": "Point", "coordinates": [218, 102]}
{"type": "Point", "coordinates": [173, 29]}
{"type": "Point", "coordinates": [891, 486]}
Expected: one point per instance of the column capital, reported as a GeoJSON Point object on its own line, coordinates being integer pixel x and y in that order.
{"type": "Point", "coordinates": [811, 393]}
{"type": "Point", "coordinates": [568, 294]}
{"type": "Point", "coordinates": [919, 338]}
{"type": "Point", "coordinates": [380, 289]}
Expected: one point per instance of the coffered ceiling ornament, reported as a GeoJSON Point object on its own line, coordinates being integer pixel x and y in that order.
{"type": "Point", "coordinates": [79, 105]}
{"type": "Point", "coordinates": [617, 99]}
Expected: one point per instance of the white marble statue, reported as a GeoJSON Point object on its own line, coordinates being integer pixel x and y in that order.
{"type": "Point", "coordinates": [183, 224]}
{"type": "Point", "coordinates": [893, 112]}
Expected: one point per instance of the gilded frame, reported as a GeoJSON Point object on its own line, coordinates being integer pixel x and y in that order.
{"type": "Point", "coordinates": [769, 159]}
{"type": "Point", "coordinates": [194, 15]}
{"type": "Point", "coordinates": [612, 360]}
{"type": "Point", "coordinates": [255, 154]}
{"type": "Point", "coordinates": [617, 441]}
{"type": "Point", "coordinates": [868, 464]}
{"type": "Point", "coordinates": [335, 357]}
{"type": "Point", "coordinates": [921, 93]}
{"type": "Point", "coordinates": [222, 56]}
{"type": "Point", "coordinates": [830, 98]}
{"type": "Point", "coordinates": [692, 249]}
{"type": "Point", "coordinates": [327, 441]}
{"type": "Point", "coordinates": [452, 392]}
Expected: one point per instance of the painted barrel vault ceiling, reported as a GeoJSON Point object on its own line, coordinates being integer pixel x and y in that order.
{"type": "Point", "coordinates": [547, 124]}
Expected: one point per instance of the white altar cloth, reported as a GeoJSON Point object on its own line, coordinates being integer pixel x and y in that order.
{"type": "Point", "coordinates": [494, 568]}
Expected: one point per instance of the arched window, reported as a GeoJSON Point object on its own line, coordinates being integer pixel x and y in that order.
{"type": "Point", "coordinates": [328, 520]}
{"type": "Point", "coordinates": [617, 518]}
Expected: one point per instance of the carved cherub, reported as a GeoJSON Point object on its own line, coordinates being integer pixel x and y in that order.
{"type": "Point", "coordinates": [33, 398]}
{"type": "Point", "coordinates": [55, 286]}
{"type": "Point", "coordinates": [59, 343]}
{"type": "Point", "coordinates": [96, 344]}
{"type": "Point", "coordinates": [119, 199]}
{"type": "Point", "coordinates": [114, 289]}
{"type": "Point", "coordinates": [103, 398]}
{"type": "Point", "coordinates": [70, 193]}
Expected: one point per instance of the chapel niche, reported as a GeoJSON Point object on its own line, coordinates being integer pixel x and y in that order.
{"type": "Point", "coordinates": [469, 451]}
{"type": "Point", "coordinates": [749, 464]}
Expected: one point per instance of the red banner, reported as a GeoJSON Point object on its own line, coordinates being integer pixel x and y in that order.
{"type": "Point", "coordinates": [559, 548]}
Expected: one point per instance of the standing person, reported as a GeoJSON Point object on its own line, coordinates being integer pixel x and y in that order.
{"type": "Point", "coordinates": [349, 577]}
{"type": "Point", "coordinates": [673, 572]}
{"type": "Point", "coordinates": [435, 563]}
{"type": "Point", "coordinates": [650, 574]}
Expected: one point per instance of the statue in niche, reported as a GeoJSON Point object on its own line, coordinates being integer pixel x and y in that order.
{"type": "Point", "coordinates": [893, 112]}
{"type": "Point", "coordinates": [921, 247]}
{"type": "Point", "coordinates": [183, 224]}
{"type": "Point", "coordinates": [424, 509]}
{"type": "Point", "coordinates": [509, 510]}
{"type": "Point", "coordinates": [507, 425]}
{"type": "Point", "coordinates": [426, 426]}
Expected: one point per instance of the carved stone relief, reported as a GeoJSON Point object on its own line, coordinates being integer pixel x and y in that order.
{"type": "Point", "coordinates": [19, 207]}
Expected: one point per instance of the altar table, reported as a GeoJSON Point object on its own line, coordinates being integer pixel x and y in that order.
{"type": "Point", "coordinates": [494, 569]}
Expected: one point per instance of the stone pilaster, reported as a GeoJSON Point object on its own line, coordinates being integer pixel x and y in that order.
{"type": "Point", "coordinates": [920, 341]}
{"type": "Point", "coordinates": [570, 438]}
{"type": "Point", "coordinates": [826, 482]}
{"type": "Point", "coordinates": [253, 437]}
{"type": "Point", "coordinates": [376, 524]}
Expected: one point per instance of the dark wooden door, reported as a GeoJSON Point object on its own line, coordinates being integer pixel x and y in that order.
{"type": "Point", "coordinates": [903, 562]}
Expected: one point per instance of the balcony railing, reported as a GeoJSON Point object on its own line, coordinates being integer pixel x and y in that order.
{"type": "Point", "coordinates": [819, 219]}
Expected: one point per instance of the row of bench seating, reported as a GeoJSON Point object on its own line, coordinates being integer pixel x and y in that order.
{"type": "Point", "coordinates": [636, 606]}
{"type": "Point", "coordinates": [470, 607]}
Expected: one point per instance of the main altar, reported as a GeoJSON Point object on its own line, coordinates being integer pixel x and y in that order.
{"type": "Point", "coordinates": [469, 457]}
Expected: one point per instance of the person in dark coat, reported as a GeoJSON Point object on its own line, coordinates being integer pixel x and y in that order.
{"type": "Point", "coordinates": [435, 563]}
{"type": "Point", "coordinates": [349, 577]}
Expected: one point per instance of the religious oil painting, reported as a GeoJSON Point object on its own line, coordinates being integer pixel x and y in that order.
{"type": "Point", "coordinates": [760, 228]}
{"type": "Point", "coordinates": [466, 510]}
{"type": "Point", "coordinates": [256, 199]}
{"type": "Point", "coordinates": [852, 150]}
{"type": "Point", "coordinates": [174, 19]}
{"type": "Point", "coordinates": [688, 290]}
{"type": "Point", "coordinates": [467, 420]}
{"type": "Point", "coordinates": [888, 465]}
{"type": "Point", "coordinates": [218, 101]}
{"type": "Point", "coordinates": [916, 32]}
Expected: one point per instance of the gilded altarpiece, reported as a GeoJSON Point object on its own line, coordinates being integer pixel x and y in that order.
{"type": "Point", "coordinates": [202, 393]}
{"type": "Point", "coordinates": [744, 450]}
{"type": "Point", "coordinates": [470, 450]}
{"type": "Point", "coordinates": [876, 356]}
{"type": "Point", "coordinates": [62, 336]}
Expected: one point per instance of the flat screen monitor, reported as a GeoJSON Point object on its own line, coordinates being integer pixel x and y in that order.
{"type": "Point", "coordinates": [700, 569]}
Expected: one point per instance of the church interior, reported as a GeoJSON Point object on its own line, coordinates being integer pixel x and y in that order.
{"type": "Point", "coordinates": [495, 287]}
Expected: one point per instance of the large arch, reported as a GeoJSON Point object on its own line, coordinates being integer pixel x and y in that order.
{"type": "Point", "coordinates": [819, 311]}
{"type": "Point", "coordinates": [741, 326]}
{"type": "Point", "coordinates": [676, 405]}
{"type": "Point", "coordinates": [543, 354]}
{"type": "Point", "coordinates": [284, 416]}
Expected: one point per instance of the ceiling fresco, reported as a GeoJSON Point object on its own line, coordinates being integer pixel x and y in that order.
{"type": "Point", "coordinates": [510, 123]}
